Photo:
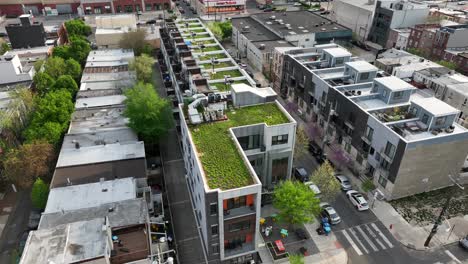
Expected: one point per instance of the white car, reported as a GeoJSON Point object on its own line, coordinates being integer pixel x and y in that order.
{"type": "Point", "coordinates": [313, 187]}
{"type": "Point", "coordinates": [329, 212]}
{"type": "Point", "coordinates": [344, 182]}
{"type": "Point", "coordinates": [357, 200]}
{"type": "Point", "coordinates": [243, 65]}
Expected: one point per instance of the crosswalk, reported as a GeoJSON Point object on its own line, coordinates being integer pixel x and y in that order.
{"type": "Point", "coordinates": [366, 238]}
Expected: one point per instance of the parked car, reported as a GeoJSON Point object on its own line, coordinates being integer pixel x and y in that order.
{"type": "Point", "coordinates": [329, 212]}
{"type": "Point", "coordinates": [243, 65]}
{"type": "Point", "coordinates": [301, 174]}
{"type": "Point", "coordinates": [269, 9]}
{"type": "Point", "coordinates": [313, 187]}
{"type": "Point", "coordinates": [315, 149]}
{"type": "Point", "coordinates": [181, 10]}
{"type": "Point", "coordinates": [357, 200]}
{"type": "Point", "coordinates": [464, 242]}
{"type": "Point", "coordinates": [249, 73]}
{"type": "Point", "coordinates": [344, 182]}
{"type": "Point", "coordinates": [151, 21]}
{"type": "Point", "coordinates": [321, 158]}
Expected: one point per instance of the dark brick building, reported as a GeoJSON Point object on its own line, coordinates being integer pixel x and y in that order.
{"type": "Point", "coordinates": [27, 34]}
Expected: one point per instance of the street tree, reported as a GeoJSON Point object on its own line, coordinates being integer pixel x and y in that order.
{"type": "Point", "coordinates": [295, 202]}
{"type": "Point", "coordinates": [43, 82]}
{"type": "Point", "coordinates": [143, 65]}
{"type": "Point", "coordinates": [301, 144]}
{"type": "Point", "coordinates": [50, 132]}
{"type": "Point", "coordinates": [31, 160]}
{"type": "Point", "coordinates": [4, 47]}
{"type": "Point", "coordinates": [55, 67]}
{"type": "Point", "coordinates": [38, 65]}
{"type": "Point", "coordinates": [73, 68]}
{"type": "Point", "coordinates": [79, 49]}
{"type": "Point", "coordinates": [324, 178]}
{"type": "Point", "coordinates": [448, 64]}
{"type": "Point", "coordinates": [66, 82]}
{"type": "Point", "coordinates": [149, 114]}
{"type": "Point", "coordinates": [77, 27]}
{"type": "Point", "coordinates": [134, 40]}
{"type": "Point", "coordinates": [296, 259]}
{"type": "Point", "coordinates": [221, 30]}
{"type": "Point", "coordinates": [39, 194]}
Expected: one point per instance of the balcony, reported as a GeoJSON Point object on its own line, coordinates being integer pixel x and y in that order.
{"type": "Point", "coordinates": [244, 248]}
{"type": "Point", "coordinates": [237, 212]}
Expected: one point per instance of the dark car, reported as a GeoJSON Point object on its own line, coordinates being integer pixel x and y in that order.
{"type": "Point", "coordinates": [464, 242]}
{"type": "Point", "coordinates": [301, 174]}
{"type": "Point", "coordinates": [34, 218]}
{"type": "Point", "coordinates": [314, 149]}
{"type": "Point", "coordinates": [321, 158]}
{"type": "Point", "coordinates": [152, 21]}
{"type": "Point", "coordinates": [249, 73]}
{"type": "Point", "coordinates": [268, 9]}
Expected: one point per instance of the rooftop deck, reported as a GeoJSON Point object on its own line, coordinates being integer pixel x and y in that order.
{"type": "Point", "coordinates": [222, 163]}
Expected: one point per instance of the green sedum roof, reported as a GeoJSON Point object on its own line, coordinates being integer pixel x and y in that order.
{"type": "Point", "coordinates": [221, 161]}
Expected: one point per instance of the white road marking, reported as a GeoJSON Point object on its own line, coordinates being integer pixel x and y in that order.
{"type": "Point", "coordinates": [367, 239]}
{"type": "Point", "coordinates": [452, 256]}
{"type": "Point", "coordinates": [358, 240]}
{"type": "Point", "coordinates": [382, 235]}
{"type": "Point", "coordinates": [358, 251]}
{"type": "Point", "coordinates": [375, 237]}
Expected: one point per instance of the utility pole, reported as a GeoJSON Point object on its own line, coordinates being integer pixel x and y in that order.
{"type": "Point", "coordinates": [442, 212]}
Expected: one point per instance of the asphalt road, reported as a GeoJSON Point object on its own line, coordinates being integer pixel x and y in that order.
{"type": "Point", "coordinates": [186, 7]}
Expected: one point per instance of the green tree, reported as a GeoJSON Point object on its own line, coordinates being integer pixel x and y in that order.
{"type": "Point", "coordinates": [73, 68]}
{"type": "Point", "coordinates": [55, 67]}
{"type": "Point", "coordinates": [39, 194]}
{"type": "Point", "coordinates": [295, 202]}
{"type": "Point", "coordinates": [134, 40]}
{"type": "Point", "coordinates": [324, 178]}
{"type": "Point", "coordinates": [301, 144]}
{"type": "Point", "coordinates": [448, 64]}
{"type": "Point", "coordinates": [221, 30]}
{"type": "Point", "coordinates": [4, 47]}
{"type": "Point", "coordinates": [143, 65]}
{"type": "Point", "coordinates": [77, 27]}
{"type": "Point", "coordinates": [62, 52]}
{"type": "Point", "coordinates": [66, 82]}
{"type": "Point", "coordinates": [368, 185]}
{"type": "Point", "coordinates": [79, 50]}
{"type": "Point", "coordinates": [149, 114]}
{"type": "Point", "coordinates": [23, 165]}
{"type": "Point", "coordinates": [38, 65]}
{"type": "Point", "coordinates": [296, 259]}
{"type": "Point", "coordinates": [50, 132]}
{"type": "Point", "coordinates": [43, 82]}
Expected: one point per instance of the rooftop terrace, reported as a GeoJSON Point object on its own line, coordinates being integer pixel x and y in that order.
{"type": "Point", "coordinates": [222, 163]}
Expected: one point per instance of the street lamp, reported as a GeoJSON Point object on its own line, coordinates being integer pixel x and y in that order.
{"type": "Point", "coordinates": [442, 212]}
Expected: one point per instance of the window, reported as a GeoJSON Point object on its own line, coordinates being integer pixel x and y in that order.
{"type": "Point", "coordinates": [425, 118]}
{"type": "Point", "coordinates": [148, 7]}
{"type": "Point", "coordinates": [382, 181]}
{"type": "Point", "coordinates": [364, 76]}
{"type": "Point", "coordinates": [157, 6]}
{"type": "Point", "coordinates": [244, 225]}
{"type": "Point", "coordinates": [347, 147]}
{"type": "Point", "coordinates": [214, 230]}
{"type": "Point", "coordinates": [128, 8]}
{"type": "Point", "coordinates": [369, 133]}
{"type": "Point", "coordinates": [372, 151]}
{"type": "Point", "coordinates": [249, 142]}
{"type": "Point", "coordinates": [339, 61]}
{"type": "Point", "coordinates": [397, 95]}
{"type": "Point", "coordinates": [278, 140]}
{"type": "Point", "coordinates": [137, 8]}
{"type": "Point", "coordinates": [215, 248]}
{"type": "Point", "coordinates": [213, 209]}
{"type": "Point", "coordinates": [236, 202]}
{"type": "Point", "coordinates": [279, 169]}
{"type": "Point", "coordinates": [390, 150]}
{"type": "Point", "coordinates": [384, 93]}
{"type": "Point", "coordinates": [119, 9]}
{"type": "Point", "coordinates": [440, 121]}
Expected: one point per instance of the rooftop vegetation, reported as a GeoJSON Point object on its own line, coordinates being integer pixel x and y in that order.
{"type": "Point", "coordinates": [223, 87]}
{"type": "Point", "coordinates": [217, 56]}
{"type": "Point", "coordinates": [221, 161]}
{"type": "Point", "coordinates": [221, 74]}
{"type": "Point", "coordinates": [222, 64]}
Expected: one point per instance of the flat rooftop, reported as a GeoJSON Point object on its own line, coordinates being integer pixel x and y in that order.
{"type": "Point", "coordinates": [362, 66]}
{"type": "Point", "coordinates": [90, 195]}
{"type": "Point", "coordinates": [222, 163]}
{"type": "Point", "coordinates": [102, 101]}
{"type": "Point", "coordinates": [393, 83]}
{"type": "Point", "coordinates": [107, 85]}
{"type": "Point", "coordinates": [363, 4]}
{"type": "Point", "coordinates": [98, 119]}
{"type": "Point", "coordinates": [435, 106]}
{"type": "Point", "coordinates": [101, 153]}
{"type": "Point", "coordinates": [269, 45]}
{"type": "Point", "coordinates": [461, 88]}
{"type": "Point", "coordinates": [99, 138]}
{"type": "Point", "coordinates": [301, 22]}
{"type": "Point", "coordinates": [255, 31]}
{"type": "Point", "coordinates": [110, 76]}
{"type": "Point", "coordinates": [113, 63]}
{"type": "Point", "coordinates": [338, 52]}
{"type": "Point", "coordinates": [103, 55]}
{"type": "Point", "coordinates": [123, 213]}
{"type": "Point", "coordinates": [70, 243]}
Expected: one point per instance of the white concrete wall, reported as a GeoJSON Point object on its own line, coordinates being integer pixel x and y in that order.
{"type": "Point", "coordinates": [409, 17]}
{"type": "Point", "coordinates": [459, 39]}
{"type": "Point", "coordinates": [12, 71]}
{"type": "Point", "coordinates": [302, 40]}
{"type": "Point", "coordinates": [353, 16]}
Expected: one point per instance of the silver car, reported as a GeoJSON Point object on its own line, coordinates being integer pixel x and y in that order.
{"type": "Point", "coordinates": [344, 182]}
{"type": "Point", "coordinates": [329, 212]}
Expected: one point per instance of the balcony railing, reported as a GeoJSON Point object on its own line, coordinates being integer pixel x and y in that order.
{"type": "Point", "coordinates": [237, 212]}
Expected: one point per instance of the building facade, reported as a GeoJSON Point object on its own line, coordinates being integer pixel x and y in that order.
{"type": "Point", "coordinates": [401, 138]}
{"type": "Point", "coordinates": [355, 14]}
{"type": "Point", "coordinates": [395, 14]}
{"type": "Point", "coordinates": [27, 34]}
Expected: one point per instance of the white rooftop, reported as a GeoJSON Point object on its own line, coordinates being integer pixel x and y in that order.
{"type": "Point", "coordinates": [70, 243]}
{"type": "Point", "coordinates": [435, 106]}
{"type": "Point", "coordinates": [242, 87]}
{"type": "Point", "coordinates": [106, 63]}
{"type": "Point", "coordinates": [338, 52]}
{"type": "Point", "coordinates": [90, 195]}
{"type": "Point", "coordinates": [108, 77]}
{"type": "Point", "coordinates": [99, 101]}
{"type": "Point", "coordinates": [461, 88]}
{"type": "Point", "coordinates": [361, 66]}
{"type": "Point", "coordinates": [110, 54]}
{"type": "Point", "coordinates": [394, 83]}
{"type": "Point", "coordinates": [100, 154]}
{"type": "Point", "coordinates": [364, 4]}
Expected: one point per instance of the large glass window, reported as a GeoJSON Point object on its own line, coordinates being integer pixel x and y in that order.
{"type": "Point", "coordinates": [369, 133]}
{"type": "Point", "coordinates": [279, 169]}
{"type": "Point", "coordinates": [249, 142]}
{"type": "Point", "coordinates": [239, 226]}
{"type": "Point", "coordinates": [390, 150]}
{"type": "Point", "coordinates": [278, 140]}
{"type": "Point", "coordinates": [236, 202]}
{"type": "Point", "coordinates": [213, 209]}
{"type": "Point", "coordinates": [214, 230]}
{"type": "Point", "coordinates": [128, 8]}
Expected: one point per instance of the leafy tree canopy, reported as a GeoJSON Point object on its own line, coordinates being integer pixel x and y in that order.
{"type": "Point", "coordinates": [221, 30]}
{"type": "Point", "coordinates": [55, 67]}
{"type": "Point", "coordinates": [143, 65]}
{"type": "Point", "coordinates": [50, 132]}
{"type": "Point", "coordinates": [66, 82]}
{"type": "Point", "coordinates": [301, 144]}
{"type": "Point", "coordinates": [77, 27]}
{"type": "Point", "coordinates": [149, 114]}
{"type": "Point", "coordinates": [296, 203]}
{"type": "Point", "coordinates": [73, 68]}
{"type": "Point", "coordinates": [43, 82]}
{"type": "Point", "coordinates": [39, 193]}
{"type": "Point", "coordinates": [134, 40]}
{"type": "Point", "coordinates": [324, 178]}
{"type": "Point", "coordinates": [29, 161]}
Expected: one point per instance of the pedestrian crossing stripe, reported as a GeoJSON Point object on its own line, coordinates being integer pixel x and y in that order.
{"type": "Point", "coordinates": [365, 239]}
